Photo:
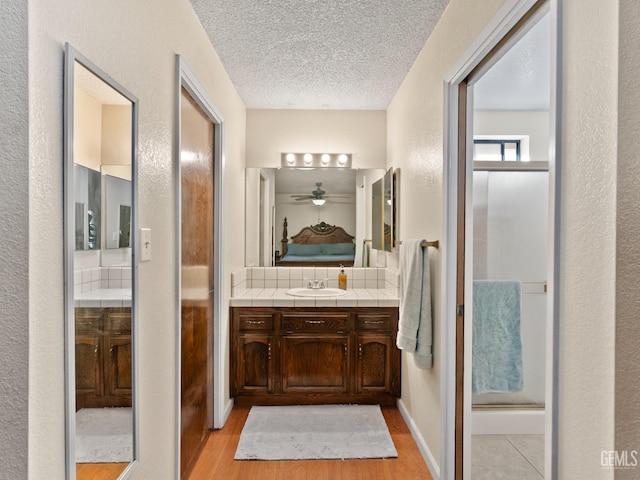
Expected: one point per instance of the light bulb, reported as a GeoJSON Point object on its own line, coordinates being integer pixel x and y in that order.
{"type": "Point", "coordinates": [291, 158]}
{"type": "Point", "coordinates": [308, 158]}
{"type": "Point", "coordinates": [342, 159]}
{"type": "Point", "coordinates": [325, 158]}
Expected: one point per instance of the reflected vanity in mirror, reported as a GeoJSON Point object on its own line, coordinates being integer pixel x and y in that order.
{"type": "Point", "coordinates": [384, 212]}
{"type": "Point", "coordinates": [100, 280]}
{"type": "Point", "coordinates": [321, 206]}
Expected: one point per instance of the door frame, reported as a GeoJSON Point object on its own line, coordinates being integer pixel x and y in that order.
{"type": "Point", "coordinates": [457, 405]}
{"type": "Point", "coordinates": [185, 78]}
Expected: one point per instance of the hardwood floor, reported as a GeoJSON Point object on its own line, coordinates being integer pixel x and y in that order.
{"type": "Point", "coordinates": [216, 459]}
{"type": "Point", "coordinates": [99, 471]}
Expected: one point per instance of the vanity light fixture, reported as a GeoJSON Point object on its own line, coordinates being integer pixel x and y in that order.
{"type": "Point", "coordinates": [315, 160]}
{"type": "Point", "coordinates": [318, 201]}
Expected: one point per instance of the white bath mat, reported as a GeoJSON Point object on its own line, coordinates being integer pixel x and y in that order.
{"type": "Point", "coordinates": [315, 432]}
{"type": "Point", "coordinates": [104, 435]}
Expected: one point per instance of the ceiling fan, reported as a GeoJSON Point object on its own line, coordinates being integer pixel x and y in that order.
{"type": "Point", "coordinates": [317, 196]}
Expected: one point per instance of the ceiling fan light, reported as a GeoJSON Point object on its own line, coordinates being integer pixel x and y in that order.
{"type": "Point", "coordinates": [318, 201]}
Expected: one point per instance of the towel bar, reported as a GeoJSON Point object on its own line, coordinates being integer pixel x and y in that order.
{"type": "Point", "coordinates": [434, 243]}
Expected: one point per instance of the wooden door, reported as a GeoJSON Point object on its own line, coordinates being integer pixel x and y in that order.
{"type": "Point", "coordinates": [197, 230]}
{"type": "Point", "coordinates": [460, 276]}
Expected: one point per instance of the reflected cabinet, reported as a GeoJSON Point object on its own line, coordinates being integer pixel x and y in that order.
{"type": "Point", "coordinates": [103, 353]}
{"type": "Point", "coordinates": [288, 355]}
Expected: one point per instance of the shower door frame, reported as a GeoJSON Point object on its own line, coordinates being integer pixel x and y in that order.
{"type": "Point", "coordinates": [497, 36]}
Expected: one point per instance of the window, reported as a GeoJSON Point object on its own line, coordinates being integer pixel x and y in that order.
{"type": "Point", "coordinates": [496, 150]}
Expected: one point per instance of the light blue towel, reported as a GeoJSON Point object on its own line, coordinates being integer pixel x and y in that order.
{"type": "Point", "coordinates": [415, 326]}
{"type": "Point", "coordinates": [497, 342]}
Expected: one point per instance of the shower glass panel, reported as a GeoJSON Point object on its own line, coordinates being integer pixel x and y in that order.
{"type": "Point", "coordinates": [510, 212]}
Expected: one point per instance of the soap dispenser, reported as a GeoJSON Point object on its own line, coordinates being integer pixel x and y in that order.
{"type": "Point", "coordinates": [342, 279]}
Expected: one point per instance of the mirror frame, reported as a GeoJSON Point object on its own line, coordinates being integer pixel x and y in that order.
{"type": "Point", "coordinates": [388, 215]}
{"type": "Point", "coordinates": [71, 56]}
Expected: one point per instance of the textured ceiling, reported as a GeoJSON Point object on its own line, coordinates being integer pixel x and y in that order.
{"type": "Point", "coordinates": [318, 54]}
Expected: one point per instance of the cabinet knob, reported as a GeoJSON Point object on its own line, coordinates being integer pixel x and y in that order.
{"type": "Point", "coordinates": [255, 322]}
{"type": "Point", "coordinates": [315, 322]}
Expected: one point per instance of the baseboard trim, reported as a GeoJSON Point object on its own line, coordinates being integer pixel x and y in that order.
{"type": "Point", "coordinates": [429, 459]}
{"type": "Point", "coordinates": [227, 411]}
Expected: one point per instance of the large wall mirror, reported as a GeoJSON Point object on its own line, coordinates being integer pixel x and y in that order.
{"type": "Point", "coordinates": [100, 274]}
{"type": "Point", "coordinates": [282, 203]}
{"type": "Point", "coordinates": [384, 216]}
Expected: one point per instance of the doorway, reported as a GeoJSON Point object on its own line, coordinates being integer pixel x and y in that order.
{"type": "Point", "coordinates": [199, 171]}
{"type": "Point", "coordinates": [501, 221]}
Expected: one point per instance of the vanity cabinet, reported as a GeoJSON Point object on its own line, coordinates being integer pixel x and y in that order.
{"type": "Point", "coordinates": [103, 357]}
{"type": "Point", "coordinates": [286, 355]}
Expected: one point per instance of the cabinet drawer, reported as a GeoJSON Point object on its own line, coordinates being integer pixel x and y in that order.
{"type": "Point", "coordinates": [87, 320]}
{"type": "Point", "coordinates": [315, 322]}
{"type": "Point", "coordinates": [369, 322]}
{"type": "Point", "coordinates": [118, 322]}
{"type": "Point", "coordinates": [255, 322]}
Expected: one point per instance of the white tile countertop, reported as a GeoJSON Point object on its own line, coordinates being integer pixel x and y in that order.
{"type": "Point", "coordinates": [104, 297]}
{"type": "Point", "coordinates": [277, 297]}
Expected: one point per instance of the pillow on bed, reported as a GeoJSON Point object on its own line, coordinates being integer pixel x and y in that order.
{"type": "Point", "coordinates": [303, 249]}
{"type": "Point", "coordinates": [339, 248]}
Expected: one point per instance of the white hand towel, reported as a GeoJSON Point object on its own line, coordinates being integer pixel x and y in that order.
{"type": "Point", "coordinates": [415, 332]}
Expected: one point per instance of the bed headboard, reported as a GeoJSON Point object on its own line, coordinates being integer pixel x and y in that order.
{"type": "Point", "coordinates": [316, 234]}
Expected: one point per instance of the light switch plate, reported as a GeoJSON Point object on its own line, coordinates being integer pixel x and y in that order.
{"type": "Point", "coordinates": [145, 244]}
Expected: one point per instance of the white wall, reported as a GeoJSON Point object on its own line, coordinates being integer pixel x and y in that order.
{"type": "Point", "coordinates": [587, 253]}
{"type": "Point", "coordinates": [135, 43]}
{"type": "Point", "coordinates": [360, 132]}
{"type": "Point", "coordinates": [414, 144]}
{"type": "Point", "coordinates": [14, 225]}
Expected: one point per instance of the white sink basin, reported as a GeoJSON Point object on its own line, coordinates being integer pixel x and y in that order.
{"type": "Point", "coordinates": [316, 292]}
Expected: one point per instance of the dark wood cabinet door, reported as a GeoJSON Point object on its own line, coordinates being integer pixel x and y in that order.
{"type": "Point", "coordinates": [255, 355]}
{"type": "Point", "coordinates": [117, 362]}
{"type": "Point", "coordinates": [89, 371]}
{"type": "Point", "coordinates": [118, 367]}
{"type": "Point", "coordinates": [314, 364]}
{"type": "Point", "coordinates": [373, 372]}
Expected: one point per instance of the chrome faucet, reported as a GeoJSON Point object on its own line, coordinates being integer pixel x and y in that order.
{"type": "Point", "coordinates": [317, 283]}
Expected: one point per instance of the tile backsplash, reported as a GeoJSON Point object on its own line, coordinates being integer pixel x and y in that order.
{"type": "Point", "coordinates": [98, 278]}
{"type": "Point", "coordinates": [292, 277]}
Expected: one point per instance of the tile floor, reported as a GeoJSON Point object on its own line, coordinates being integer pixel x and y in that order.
{"type": "Point", "coordinates": [507, 457]}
